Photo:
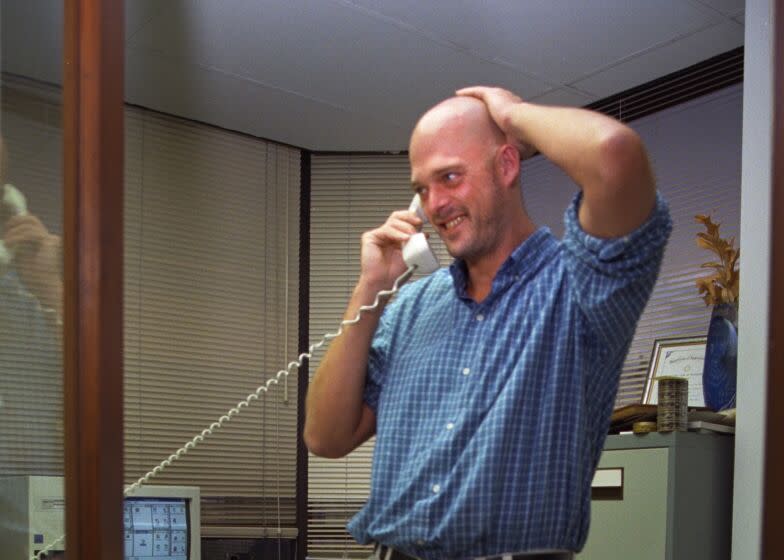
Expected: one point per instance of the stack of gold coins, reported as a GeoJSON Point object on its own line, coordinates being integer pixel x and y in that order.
{"type": "Point", "coordinates": [673, 410]}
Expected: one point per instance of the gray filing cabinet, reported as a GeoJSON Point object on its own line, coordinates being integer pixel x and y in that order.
{"type": "Point", "coordinates": [662, 497]}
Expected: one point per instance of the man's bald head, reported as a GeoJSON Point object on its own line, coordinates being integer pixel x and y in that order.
{"type": "Point", "coordinates": [466, 117]}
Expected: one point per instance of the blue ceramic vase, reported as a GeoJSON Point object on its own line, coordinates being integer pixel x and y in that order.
{"type": "Point", "coordinates": [721, 358]}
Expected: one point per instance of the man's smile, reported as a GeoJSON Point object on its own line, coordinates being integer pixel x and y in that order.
{"type": "Point", "coordinates": [450, 224]}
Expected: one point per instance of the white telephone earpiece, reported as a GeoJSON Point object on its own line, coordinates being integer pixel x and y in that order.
{"type": "Point", "coordinates": [12, 203]}
{"type": "Point", "coordinates": [417, 251]}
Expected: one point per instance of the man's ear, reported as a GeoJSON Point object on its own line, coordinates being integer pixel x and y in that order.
{"type": "Point", "coordinates": [508, 164]}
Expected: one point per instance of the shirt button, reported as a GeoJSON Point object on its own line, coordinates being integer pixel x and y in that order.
{"type": "Point", "coordinates": [450, 426]}
{"type": "Point", "coordinates": [436, 488]}
{"type": "Point", "coordinates": [466, 371]}
{"type": "Point", "coordinates": [480, 317]}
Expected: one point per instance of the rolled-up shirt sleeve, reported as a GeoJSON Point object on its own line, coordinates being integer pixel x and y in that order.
{"type": "Point", "coordinates": [613, 278]}
{"type": "Point", "coordinates": [379, 348]}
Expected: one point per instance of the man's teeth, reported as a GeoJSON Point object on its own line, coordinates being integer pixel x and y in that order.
{"type": "Point", "coordinates": [452, 223]}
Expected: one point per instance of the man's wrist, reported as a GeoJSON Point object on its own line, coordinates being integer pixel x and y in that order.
{"type": "Point", "coordinates": [512, 125]}
{"type": "Point", "coordinates": [511, 117]}
{"type": "Point", "coordinates": [369, 287]}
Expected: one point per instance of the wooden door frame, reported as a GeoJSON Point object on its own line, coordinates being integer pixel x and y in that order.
{"type": "Point", "coordinates": [93, 70]}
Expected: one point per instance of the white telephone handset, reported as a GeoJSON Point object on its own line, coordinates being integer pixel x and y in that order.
{"type": "Point", "coordinates": [417, 251]}
{"type": "Point", "coordinates": [12, 203]}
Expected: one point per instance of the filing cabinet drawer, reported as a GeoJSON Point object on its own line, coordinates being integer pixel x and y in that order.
{"type": "Point", "coordinates": [630, 523]}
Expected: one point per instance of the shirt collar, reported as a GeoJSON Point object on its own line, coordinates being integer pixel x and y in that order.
{"type": "Point", "coordinates": [520, 265]}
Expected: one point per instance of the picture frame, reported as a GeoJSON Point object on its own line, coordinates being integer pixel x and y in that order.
{"type": "Point", "coordinates": [680, 357]}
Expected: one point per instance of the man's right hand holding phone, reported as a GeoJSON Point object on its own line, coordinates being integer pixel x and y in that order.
{"type": "Point", "coordinates": [382, 257]}
{"type": "Point", "coordinates": [38, 259]}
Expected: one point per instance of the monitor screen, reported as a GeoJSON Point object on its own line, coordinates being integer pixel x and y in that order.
{"type": "Point", "coordinates": [162, 523]}
{"type": "Point", "coordinates": [157, 528]}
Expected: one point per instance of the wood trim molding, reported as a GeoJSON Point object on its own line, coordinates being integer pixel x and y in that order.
{"type": "Point", "coordinates": [773, 493]}
{"type": "Point", "coordinates": [93, 273]}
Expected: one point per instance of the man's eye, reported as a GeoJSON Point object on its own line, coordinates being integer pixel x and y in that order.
{"type": "Point", "coordinates": [451, 176]}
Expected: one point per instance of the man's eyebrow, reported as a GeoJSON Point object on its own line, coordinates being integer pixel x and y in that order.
{"type": "Point", "coordinates": [445, 168]}
{"type": "Point", "coordinates": [436, 172]}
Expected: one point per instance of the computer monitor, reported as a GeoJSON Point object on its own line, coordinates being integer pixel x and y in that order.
{"type": "Point", "coordinates": [32, 516]}
{"type": "Point", "coordinates": [160, 522]}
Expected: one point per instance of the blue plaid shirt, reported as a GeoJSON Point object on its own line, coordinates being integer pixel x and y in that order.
{"type": "Point", "coordinates": [491, 416]}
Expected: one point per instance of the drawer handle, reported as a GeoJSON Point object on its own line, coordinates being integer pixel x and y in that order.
{"type": "Point", "coordinates": [607, 484]}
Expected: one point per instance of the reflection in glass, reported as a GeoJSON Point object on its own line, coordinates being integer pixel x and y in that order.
{"type": "Point", "coordinates": [31, 306]}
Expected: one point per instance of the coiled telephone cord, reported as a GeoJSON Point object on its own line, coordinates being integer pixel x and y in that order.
{"type": "Point", "coordinates": [198, 439]}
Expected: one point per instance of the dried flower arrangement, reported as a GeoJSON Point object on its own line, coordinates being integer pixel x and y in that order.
{"type": "Point", "coordinates": [723, 285]}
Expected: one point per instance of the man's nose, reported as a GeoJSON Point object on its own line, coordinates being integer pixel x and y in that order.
{"type": "Point", "coordinates": [437, 200]}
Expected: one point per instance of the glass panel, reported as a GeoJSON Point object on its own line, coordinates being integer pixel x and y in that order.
{"type": "Point", "coordinates": [31, 283]}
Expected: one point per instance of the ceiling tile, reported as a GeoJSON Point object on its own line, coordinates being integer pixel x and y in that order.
{"type": "Point", "coordinates": [138, 13]}
{"type": "Point", "coordinates": [664, 60]}
{"type": "Point", "coordinates": [555, 41]}
{"type": "Point", "coordinates": [726, 7]}
{"type": "Point", "coordinates": [565, 97]}
{"type": "Point", "coordinates": [257, 110]}
{"type": "Point", "coordinates": [32, 39]}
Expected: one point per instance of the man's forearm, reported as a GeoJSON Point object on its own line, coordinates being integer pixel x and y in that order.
{"type": "Point", "coordinates": [335, 396]}
{"type": "Point", "coordinates": [574, 139]}
{"type": "Point", "coordinates": [603, 156]}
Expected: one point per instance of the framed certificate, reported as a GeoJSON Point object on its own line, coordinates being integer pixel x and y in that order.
{"type": "Point", "coordinates": [680, 357]}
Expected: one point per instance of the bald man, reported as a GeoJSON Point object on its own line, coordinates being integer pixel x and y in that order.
{"type": "Point", "coordinates": [489, 385]}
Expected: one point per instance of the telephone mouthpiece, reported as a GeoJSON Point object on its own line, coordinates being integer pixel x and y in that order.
{"type": "Point", "coordinates": [417, 252]}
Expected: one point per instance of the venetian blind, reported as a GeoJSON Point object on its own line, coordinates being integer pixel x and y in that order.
{"type": "Point", "coordinates": [695, 150]}
{"type": "Point", "coordinates": [349, 195]}
{"type": "Point", "coordinates": [211, 308]}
